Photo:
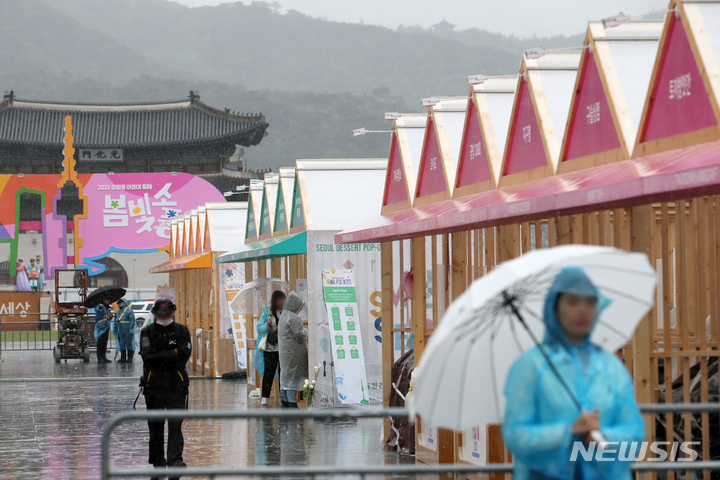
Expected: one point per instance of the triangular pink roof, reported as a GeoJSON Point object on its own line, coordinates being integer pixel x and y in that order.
{"type": "Point", "coordinates": [614, 75]}
{"type": "Point", "coordinates": [542, 102]}
{"type": "Point", "coordinates": [681, 107]}
{"type": "Point", "coordinates": [441, 149]}
{"type": "Point", "coordinates": [484, 134]}
{"type": "Point", "coordinates": [613, 78]}
{"type": "Point", "coordinates": [405, 148]}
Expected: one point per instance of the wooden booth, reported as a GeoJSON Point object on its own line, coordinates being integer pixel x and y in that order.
{"type": "Point", "coordinates": [314, 201]}
{"type": "Point", "coordinates": [196, 239]}
{"type": "Point", "coordinates": [641, 178]}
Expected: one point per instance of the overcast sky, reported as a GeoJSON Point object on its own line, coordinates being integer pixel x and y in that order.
{"type": "Point", "coordinates": [520, 17]}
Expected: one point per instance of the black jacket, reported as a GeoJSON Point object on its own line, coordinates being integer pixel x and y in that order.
{"type": "Point", "coordinates": [165, 351]}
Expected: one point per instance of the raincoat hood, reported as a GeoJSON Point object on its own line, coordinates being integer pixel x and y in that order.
{"type": "Point", "coordinates": [123, 301]}
{"type": "Point", "coordinates": [569, 280]}
{"type": "Point", "coordinates": [294, 303]}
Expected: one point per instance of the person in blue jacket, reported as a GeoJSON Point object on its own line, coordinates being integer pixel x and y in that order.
{"type": "Point", "coordinates": [267, 360]}
{"type": "Point", "coordinates": [125, 329]}
{"type": "Point", "coordinates": [542, 423]}
{"type": "Point", "coordinates": [103, 317]}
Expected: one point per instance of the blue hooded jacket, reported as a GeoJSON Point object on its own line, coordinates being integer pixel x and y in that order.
{"type": "Point", "coordinates": [263, 329]}
{"type": "Point", "coordinates": [124, 327]}
{"type": "Point", "coordinates": [539, 413]}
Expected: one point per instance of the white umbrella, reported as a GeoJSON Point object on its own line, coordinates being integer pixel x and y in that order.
{"type": "Point", "coordinates": [462, 373]}
{"type": "Point", "coordinates": [256, 294]}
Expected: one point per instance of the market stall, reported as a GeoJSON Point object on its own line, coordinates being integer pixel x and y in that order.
{"type": "Point", "coordinates": [320, 188]}
{"type": "Point", "coordinates": [664, 204]}
{"type": "Point", "coordinates": [201, 288]}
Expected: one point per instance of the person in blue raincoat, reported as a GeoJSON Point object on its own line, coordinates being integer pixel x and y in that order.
{"type": "Point", "coordinates": [125, 328]}
{"type": "Point", "coordinates": [267, 360]}
{"type": "Point", "coordinates": [103, 317]}
{"type": "Point", "coordinates": [542, 423]}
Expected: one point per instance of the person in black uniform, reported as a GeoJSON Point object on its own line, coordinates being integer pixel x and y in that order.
{"type": "Point", "coordinates": [165, 349]}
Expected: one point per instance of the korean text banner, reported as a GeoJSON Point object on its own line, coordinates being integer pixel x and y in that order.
{"type": "Point", "coordinates": [127, 212]}
{"type": "Point", "coordinates": [114, 213]}
{"type": "Point", "coordinates": [345, 337]}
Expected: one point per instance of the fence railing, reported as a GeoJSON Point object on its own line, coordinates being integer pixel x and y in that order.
{"type": "Point", "coordinates": [312, 471]}
{"type": "Point", "coordinates": [38, 331]}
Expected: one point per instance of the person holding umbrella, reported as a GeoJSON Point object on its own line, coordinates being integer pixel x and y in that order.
{"type": "Point", "coordinates": [165, 349]}
{"type": "Point", "coordinates": [100, 300]}
{"type": "Point", "coordinates": [542, 327]}
{"type": "Point", "coordinates": [542, 422]}
{"type": "Point", "coordinates": [103, 317]}
{"type": "Point", "coordinates": [125, 329]}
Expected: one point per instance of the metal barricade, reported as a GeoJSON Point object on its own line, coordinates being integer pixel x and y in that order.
{"type": "Point", "coordinates": [38, 332]}
{"type": "Point", "coordinates": [408, 471]}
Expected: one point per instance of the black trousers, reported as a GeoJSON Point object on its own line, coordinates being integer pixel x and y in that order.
{"type": "Point", "coordinates": [102, 344]}
{"type": "Point", "coordinates": [161, 401]}
{"type": "Point", "coordinates": [272, 365]}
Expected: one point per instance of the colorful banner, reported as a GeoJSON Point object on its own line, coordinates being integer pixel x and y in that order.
{"type": "Point", "coordinates": [233, 280]}
{"type": "Point", "coordinates": [125, 213]}
{"type": "Point", "coordinates": [345, 337]}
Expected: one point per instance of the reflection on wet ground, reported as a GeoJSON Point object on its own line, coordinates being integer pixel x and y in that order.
{"type": "Point", "coordinates": [52, 418]}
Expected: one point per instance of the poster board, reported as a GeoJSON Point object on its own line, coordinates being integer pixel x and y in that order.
{"type": "Point", "coordinates": [165, 291]}
{"type": "Point", "coordinates": [232, 281]}
{"type": "Point", "coordinates": [345, 336]}
{"type": "Point", "coordinates": [364, 260]}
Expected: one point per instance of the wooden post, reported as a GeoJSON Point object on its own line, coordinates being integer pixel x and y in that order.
{"type": "Point", "coordinates": [565, 230]}
{"type": "Point", "coordinates": [293, 269]}
{"type": "Point", "coordinates": [419, 321]}
{"type": "Point", "coordinates": [249, 331]}
{"type": "Point", "coordinates": [642, 220]}
{"type": "Point", "coordinates": [508, 247]}
{"type": "Point", "coordinates": [386, 271]}
{"type": "Point", "coordinates": [459, 264]}
{"type": "Point", "coordinates": [275, 268]}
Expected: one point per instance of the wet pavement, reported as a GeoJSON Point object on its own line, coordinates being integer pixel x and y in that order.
{"type": "Point", "coordinates": [52, 418]}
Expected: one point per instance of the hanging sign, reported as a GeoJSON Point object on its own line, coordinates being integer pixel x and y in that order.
{"type": "Point", "coordinates": [101, 154]}
{"type": "Point", "coordinates": [347, 349]}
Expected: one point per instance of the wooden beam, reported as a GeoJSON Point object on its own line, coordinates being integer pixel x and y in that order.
{"type": "Point", "coordinates": [565, 229]}
{"type": "Point", "coordinates": [386, 279]}
{"type": "Point", "coordinates": [293, 269]}
{"type": "Point", "coordinates": [459, 263]}
{"type": "Point", "coordinates": [642, 220]}
{"type": "Point", "coordinates": [419, 301]}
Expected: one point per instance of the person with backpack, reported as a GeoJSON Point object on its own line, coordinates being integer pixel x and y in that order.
{"type": "Point", "coordinates": [267, 356]}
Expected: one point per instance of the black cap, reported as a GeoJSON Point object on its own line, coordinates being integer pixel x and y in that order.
{"type": "Point", "coordinates": [163, 306]}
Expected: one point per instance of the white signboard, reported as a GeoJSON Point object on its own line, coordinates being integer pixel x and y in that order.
{"type": "Point", "coordinates": [345, 336]}
{"type": "Point", "coordinates": [233, 277]}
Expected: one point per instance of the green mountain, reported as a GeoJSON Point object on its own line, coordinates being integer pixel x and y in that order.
{"type": "Point", "coordinates": [314, 80]}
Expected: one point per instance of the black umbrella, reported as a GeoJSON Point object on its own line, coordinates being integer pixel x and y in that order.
{"type": "Point", "coordinates": [111, 293]}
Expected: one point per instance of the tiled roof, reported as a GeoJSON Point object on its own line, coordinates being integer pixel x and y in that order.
{"type": "Point", "coordinates": [126, 125]}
